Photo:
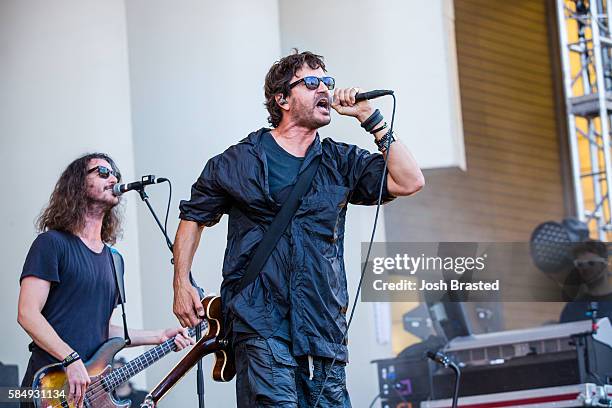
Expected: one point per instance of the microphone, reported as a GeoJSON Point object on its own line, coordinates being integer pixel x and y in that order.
{"type": "Point", "coordinates": [119, 189]}
{"type": "Point", "coordinates": [377, 93]}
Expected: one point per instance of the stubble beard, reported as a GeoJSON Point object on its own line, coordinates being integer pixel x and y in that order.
{"type": "Point", "coordinates": [307, 117]}
{"type": "Point", "coordinates": [98, 205]}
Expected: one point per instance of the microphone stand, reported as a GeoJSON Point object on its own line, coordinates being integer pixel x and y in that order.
{"type": "Point", "coordinates": [455, 368]}
{"type": "Point", "coordinates": [444, 360]}
{"type": "Point", "coordinates": [198, 329]}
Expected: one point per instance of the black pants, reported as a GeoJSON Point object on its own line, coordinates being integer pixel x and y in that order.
{"type": "Point", "coordinates": [268, 375]}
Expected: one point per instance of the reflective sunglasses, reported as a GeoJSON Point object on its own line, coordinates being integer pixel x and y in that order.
{"type": "Point", "coordinates": [312, 82]}
{"type": "Point", "coordinates": [104, 172]}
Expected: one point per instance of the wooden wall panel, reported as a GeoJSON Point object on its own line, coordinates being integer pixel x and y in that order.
{"type": "Point", "coordinates": [514, 171]}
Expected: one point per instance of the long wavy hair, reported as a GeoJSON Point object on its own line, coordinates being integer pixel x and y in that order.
{"type": "Point", "coordinates": [68, 202]}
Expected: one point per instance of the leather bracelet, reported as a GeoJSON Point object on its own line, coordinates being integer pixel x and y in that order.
{"type": "Point", "coordinates": [385, 141]}
{"type": "Point", "coordinates": [379, 129]}
{"type": "Point", "coordinates": [367, 121]}
{"type": "Point", "coordinates": [70, 358]}
{"type": "Point", "coordinates": [372, 121]}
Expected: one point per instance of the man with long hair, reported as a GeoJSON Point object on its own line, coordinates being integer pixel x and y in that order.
{"type": "Point", "coordinates": [68, 288]}
{"type": "Point", "coordinates": [289, 324]}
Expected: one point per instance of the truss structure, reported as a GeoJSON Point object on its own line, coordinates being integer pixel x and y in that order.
{"type": "Point", "coordinates": [586, 43]}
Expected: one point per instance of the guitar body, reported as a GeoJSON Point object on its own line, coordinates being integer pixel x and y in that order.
{"type": "Point", "coordinates": [224, 368]}
{"type": "Point", "coordinates": [52, 378]}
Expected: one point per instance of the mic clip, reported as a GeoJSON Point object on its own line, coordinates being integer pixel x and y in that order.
{"type": "Point", "coordinates": [148, 179]}
{"type": "Point", "coordinates": [441, 358]}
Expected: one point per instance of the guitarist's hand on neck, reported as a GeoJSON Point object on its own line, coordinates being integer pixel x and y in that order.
{"type": "Point", "coordinates": [142, 337]}
{"type": "Point", "coordinates": [181, 337]}
{"type": "Point", "coordinates": [78, 380]}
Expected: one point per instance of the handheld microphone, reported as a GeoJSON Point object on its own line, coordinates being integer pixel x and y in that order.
{"type": "Point", "coordinates": [119, 189]}
{"type": "Point", "coordinates": [377, 93]}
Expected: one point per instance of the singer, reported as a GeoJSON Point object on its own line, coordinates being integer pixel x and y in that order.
{"type": "Point", "coordinates": [289, 323]}
{"type": "Point", "coordinates": [68, 290]}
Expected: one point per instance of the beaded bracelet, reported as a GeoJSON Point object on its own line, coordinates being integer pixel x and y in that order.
{"type": "Point", "coordinates": [385, 141]}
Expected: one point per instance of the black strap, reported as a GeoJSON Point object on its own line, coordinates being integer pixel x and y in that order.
{"type": "Point", "coordinates": [117, 266]}
{"type": "Point", "coordinates": [279, 223]}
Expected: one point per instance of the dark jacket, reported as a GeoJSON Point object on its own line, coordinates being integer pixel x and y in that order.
{"type": "Point", "coordinates": [304, 279]}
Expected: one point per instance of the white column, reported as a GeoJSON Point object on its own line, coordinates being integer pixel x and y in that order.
{"type": "Point", "coordinates": [197, 74]}
{"type": "Point", "coordinates": [64, 91]}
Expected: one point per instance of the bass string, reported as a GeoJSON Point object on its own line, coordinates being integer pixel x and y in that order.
{"type": "Point", "coordinates": [97, 390]}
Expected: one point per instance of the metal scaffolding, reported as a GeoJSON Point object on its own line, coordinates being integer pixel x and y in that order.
{"type": "Point", "coordinates": [586, 42]}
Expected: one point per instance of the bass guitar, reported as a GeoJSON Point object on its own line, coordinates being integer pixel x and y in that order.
{"type": "Point", "coordinates": [51, 381]}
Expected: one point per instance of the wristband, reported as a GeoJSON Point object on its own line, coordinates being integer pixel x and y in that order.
{"type": "Point", "coordinates": [70, 358]}
{"type": "Point", "coordinates": [372, 121]}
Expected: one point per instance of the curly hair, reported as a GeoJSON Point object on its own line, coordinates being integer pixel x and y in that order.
{"type": "Point", "coordinates": [68, 202]}
{"type": "Point", "coordinates": [279, 76]}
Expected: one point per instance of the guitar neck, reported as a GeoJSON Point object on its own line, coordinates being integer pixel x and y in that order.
{"type": "Point", "coordinates": [119, 376]}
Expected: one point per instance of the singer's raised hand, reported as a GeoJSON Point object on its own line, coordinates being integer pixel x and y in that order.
{"type": "Point", "coordinates": [344, 104]}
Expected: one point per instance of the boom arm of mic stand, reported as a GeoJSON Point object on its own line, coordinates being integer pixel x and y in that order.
{"type": "Point", "coordinates": [145, 198]}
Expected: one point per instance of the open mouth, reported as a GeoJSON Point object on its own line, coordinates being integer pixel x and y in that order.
{"type": "Point", "coordinates": [323, 105]}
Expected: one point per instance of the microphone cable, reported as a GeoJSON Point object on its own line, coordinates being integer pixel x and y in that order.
{"type": "Point", "coordinates": [365, 264]}
{"type": "Point", "coordinates": [373, 401]}
{"type": "Point", "coordinates": [167, 207]}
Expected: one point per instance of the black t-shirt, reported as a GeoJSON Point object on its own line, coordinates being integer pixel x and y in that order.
{"type": "Point", "coordinates": [283, 167]}
{"type": "Point", "coordinates": [83, 292]}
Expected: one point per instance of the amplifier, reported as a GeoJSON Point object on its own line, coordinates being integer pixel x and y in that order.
{"type": "Point", "coordinates": [404, 382]}
{"type": "Point", "coordinates": [588, 361]}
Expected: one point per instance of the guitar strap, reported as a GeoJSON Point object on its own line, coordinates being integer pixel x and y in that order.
{"type": "Point", "coordinates": [279, 223]}
{"type": "Point", "coordinates": [118, 269]}
{"type": "Point", "coordinates": [273, 234]}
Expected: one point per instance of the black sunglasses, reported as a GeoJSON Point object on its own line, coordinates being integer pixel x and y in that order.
{"type": "Point", "coordinates": [312, 82]}
{"type": "Point", "coordinates": [104, 172]}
